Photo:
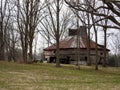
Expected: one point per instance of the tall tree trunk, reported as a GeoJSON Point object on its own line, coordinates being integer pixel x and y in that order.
{"type": "Point", "coordinates": [1, 33]}
{"type": "Point", "coordinates": [57, 54]}
{"type": "Point", "coordinates": [78, 41]}
{"type": "Point", "coordinates": [105, 44]}
{"type": "Point", "coordinates": [96, 48]}
{"type": "Point", "coordinates": [30, 52]}
{"type": "Point", "coordinates": [78, 48]}
{"type": "Point", "coordinates": [36, 40]}
{"type": "Point", "coordinates": [31, 31]}
{"type": "Point", "coordinates": [105, 40]}
{"type": "Point", "coordinates": [1, 42]}
{"type": "Point", "coordinates": [26, 43]}
{"type": "Point", "coordinates": [24, 53]}
{"type": "Point", "coordinates": [88, 42]}
{"type": "Point", "coordinates": [57, 37]}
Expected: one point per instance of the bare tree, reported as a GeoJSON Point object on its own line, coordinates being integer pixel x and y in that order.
{"type": "Point", "coordinates": [55, 24]}
{"type": "Point", "coordinates": [96, 40]}
{"type": "Point", "coordinates": [96, 10]}
{"type": "Point", "coordinates": [5, 17]}
{"type": "Point", "coordinates": [23, 22]}
{"type": "Point", "coordinates": [85, 6]}
{"type": "Point", "coordinates": [104, 25]}
{"type": "Point", "coordinates": [113, 6]}
{"type": "Point", "coordinates": [28, 17]}
{"type": "Point", "coordinates": [85, 19]}
{"type": "Point", "coordinates": [11, 42]}
{"type": "Point", "coordinates": [35, 17]}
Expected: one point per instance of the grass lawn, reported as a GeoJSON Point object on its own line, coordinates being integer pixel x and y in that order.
{"type": "Point", "coordinates": [43, 76]}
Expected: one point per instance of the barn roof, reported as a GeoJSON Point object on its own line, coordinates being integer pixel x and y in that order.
{"type": "Point", "coordinates": [71, 43]}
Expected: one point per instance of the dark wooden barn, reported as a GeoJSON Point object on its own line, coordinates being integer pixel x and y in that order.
{"type": "Point", "coordinates": [69, 47]}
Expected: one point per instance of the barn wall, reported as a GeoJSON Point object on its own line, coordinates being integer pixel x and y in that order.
{"type": "Point", "coordinates": [71, 55]}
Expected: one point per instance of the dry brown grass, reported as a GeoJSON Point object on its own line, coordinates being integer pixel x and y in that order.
{"type": "Point", "coordinates": [47, 77]}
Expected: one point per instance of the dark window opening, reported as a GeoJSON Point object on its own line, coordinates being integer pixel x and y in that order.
{"type": "Point", "coordinates": [101, 53]}
{"type": "Point", "coordinates": [85, 58]}
{"type": "Point", "coordinates": [52, 59]}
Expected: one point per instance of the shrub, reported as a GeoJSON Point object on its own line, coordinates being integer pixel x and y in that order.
{"type": "Point", "coordinates": [114, 61]}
